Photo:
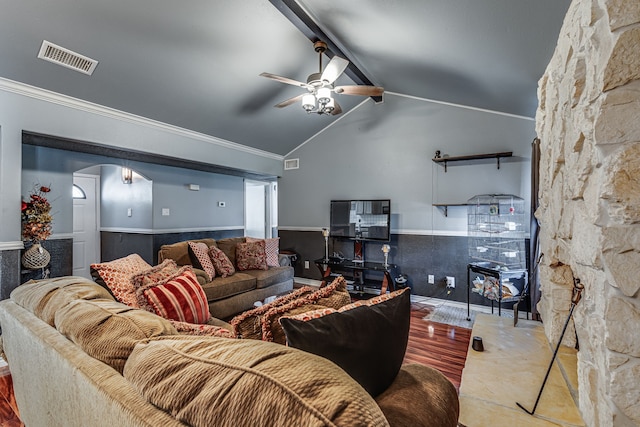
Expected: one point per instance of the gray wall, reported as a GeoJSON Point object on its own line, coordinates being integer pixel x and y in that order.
{"type": "Point", "coordinates": [24, 108]}
{"type": "Point", "coordinates": [116, 198]}
{"type": "Point", "coordinates": [166, 187]}
{"type": "Point", "coordinates": [385, 151]}
{"type": "Point", "coordinates": [157, 187]}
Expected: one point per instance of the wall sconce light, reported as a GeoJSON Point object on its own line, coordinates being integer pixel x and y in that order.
{"type": "Point", "coordinates": [385, 250]}
{"type": "Point", "coordinates": [127, 176]}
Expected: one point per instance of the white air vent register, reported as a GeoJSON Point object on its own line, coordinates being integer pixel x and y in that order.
{"type": "Point", "coordinates": [67, 58]}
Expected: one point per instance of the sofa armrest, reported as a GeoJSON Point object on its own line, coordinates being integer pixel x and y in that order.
{"type": "Point", "coordinates": [202, 276]}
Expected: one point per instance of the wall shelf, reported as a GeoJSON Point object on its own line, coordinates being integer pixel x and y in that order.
{"type": "Point", "coordinates": [445, 206]}
{"type": "Point", "coordinates": [497, 156]}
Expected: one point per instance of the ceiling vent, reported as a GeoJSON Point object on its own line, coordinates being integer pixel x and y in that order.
{"type": "Point", "coordinates": [291, 164]}
{"type": "Point", "coordinates": [67, 58]}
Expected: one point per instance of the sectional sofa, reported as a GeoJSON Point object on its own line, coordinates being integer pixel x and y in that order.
{"type": "Point", "coordinates": [79, 358]}
{"type": "Point", "coordinates": [238, 292]}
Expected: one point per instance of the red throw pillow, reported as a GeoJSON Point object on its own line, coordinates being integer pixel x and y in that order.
{"type": "Point", "coordinates": [271, 248]}
{"type": "Point", "coordinates": [181, 298]}
{"type": "Point", "coordinates": [221, 262]}
{"type": "Point", "coordinates": [251, 256]}
{"type": "Point", "coordinates": [199, 254]}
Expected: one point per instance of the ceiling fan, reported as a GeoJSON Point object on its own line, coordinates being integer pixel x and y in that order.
{"type": "Point", "coordinates": [320, 86]}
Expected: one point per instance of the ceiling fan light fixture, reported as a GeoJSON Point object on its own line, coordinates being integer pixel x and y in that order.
{"type": "Point", "coordinates": [309, 102]}
{"type": "Point", "coordinates": [324, 95]}
{"type": "Point", "coordinates": [329, 106]}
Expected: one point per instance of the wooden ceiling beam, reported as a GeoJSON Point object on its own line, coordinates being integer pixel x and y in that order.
{"type": "Point", "coordinates": [303, 22]}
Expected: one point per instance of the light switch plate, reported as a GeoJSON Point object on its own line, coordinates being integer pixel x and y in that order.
{"type": "Point", "coordinates": [166, 212]}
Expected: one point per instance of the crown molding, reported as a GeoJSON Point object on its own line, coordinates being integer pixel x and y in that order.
{"type": "Point", "coordinates": [90, 107]}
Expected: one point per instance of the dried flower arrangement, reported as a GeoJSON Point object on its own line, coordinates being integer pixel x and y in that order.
{"type": "Point", "coordinates": [36, 215]}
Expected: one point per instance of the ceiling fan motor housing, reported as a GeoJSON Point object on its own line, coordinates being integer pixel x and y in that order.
{"type": "Point", "coordinates": [320, 46]}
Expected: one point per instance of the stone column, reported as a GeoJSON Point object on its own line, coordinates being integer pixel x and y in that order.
{"type": "Point", "coordinates": [588, 121]}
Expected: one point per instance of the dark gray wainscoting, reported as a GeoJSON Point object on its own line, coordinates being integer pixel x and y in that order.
{"type": "Point", "coordinates": [9, 271]}
{"type": "Point", "coordinates": [416, 256]}
{"type": "Point", "coordinates": [114, 245]}
{"type": "Point", "coordinates": [61, 264]}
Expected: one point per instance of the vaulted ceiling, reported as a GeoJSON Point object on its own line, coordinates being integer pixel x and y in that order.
{"type": "Point", "coordinates": [196, 64]}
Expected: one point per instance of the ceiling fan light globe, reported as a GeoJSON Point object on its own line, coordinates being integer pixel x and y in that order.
{"type": "Point", "coordinates": [309, 102]}
{"type": "Point", "coordinates": [324, 95]}
{"type": "Point", "coordinates": [329, 106]}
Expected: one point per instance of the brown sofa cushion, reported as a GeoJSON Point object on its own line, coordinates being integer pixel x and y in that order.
{"type": "Point", "coordinates": [44, 297]}
{"type": "Point", "coordinates": [266, 278]}
{"type": "Point", "coordinates": [206, 381]}
{"type": "Point", "coordinates": [228, 246]}
{"type": "Point", "coordinates": [420, 396]}
{"type": "Point", "coordinates": [224, 287]}
{"type": "Point", "coordinates": [107, 330]}
{"type": "Point", "coordinates": [179, 252]}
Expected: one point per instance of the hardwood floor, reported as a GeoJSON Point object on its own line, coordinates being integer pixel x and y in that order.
{"type": "Point", "coordinates": [440, 346]}
{"type": "Point", "coordinates": [433, 344]}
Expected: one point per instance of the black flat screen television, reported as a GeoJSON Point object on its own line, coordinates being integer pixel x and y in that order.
{"type": "Point", "coordinates": [361, 219]}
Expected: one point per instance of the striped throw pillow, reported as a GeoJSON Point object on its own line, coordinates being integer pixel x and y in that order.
{"type": "Point", "coordinates": [181, 299]}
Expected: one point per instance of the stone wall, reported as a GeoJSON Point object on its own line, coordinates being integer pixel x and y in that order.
{"type": "Point", "coordinates": [588, 121]}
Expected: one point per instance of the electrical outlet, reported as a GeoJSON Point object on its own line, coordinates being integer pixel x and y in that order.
{"type": "Point", "coordinates": [431, 279]}
{"type": "Point", "coordinates": [166, 211]}
{"type": "Point", "coordinates": [306, 264]}
{"type": "Point", "coordinates": [451, 282]}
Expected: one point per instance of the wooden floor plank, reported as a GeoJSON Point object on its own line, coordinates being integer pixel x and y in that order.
{"type": "Point", "coordinates": [443, 347]}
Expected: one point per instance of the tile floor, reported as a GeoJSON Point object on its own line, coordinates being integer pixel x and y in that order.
{"type": "Point", "coordinates": [510, 370]}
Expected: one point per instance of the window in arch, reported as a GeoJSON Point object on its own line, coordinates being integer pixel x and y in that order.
{"type": "Point", "coordinates": [78, 193]}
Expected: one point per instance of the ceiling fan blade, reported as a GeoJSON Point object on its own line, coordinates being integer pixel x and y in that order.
{"type": "Point", "coordinates": [334, 68]}
{"type": "Point", "coordinates": [284, 80]}
{"type": "Point", "coordinates": [360, 90]}
{"type": "Point", "coordinates": [337, 108]}
{"type": "Point", "coordinates": [289, 101]}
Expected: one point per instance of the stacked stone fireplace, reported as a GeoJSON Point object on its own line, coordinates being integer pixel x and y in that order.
{"type": "Point", "coordinates": [588, 122]}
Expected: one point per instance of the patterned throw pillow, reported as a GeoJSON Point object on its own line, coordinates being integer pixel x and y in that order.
{"type": "Point", "coordinates": [221, 262]}
{"type": "Point", "coordinates": [367, 339]}
{"type": "Point", "coordinates": [271, 248]}
{"type": "Point", "coordinates": [162, 272]}
{"type": "Point", "coordinates": [199, 253]}
{"type": "Point", "coordinates": [251, 256]}
{"type": "Point", "coordinates": [181, 298]}
{"type": "Point", "coordinates": [116, 275]}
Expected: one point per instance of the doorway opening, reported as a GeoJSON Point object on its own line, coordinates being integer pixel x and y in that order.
{"type": "Point", "coordinates": [261, 209]}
